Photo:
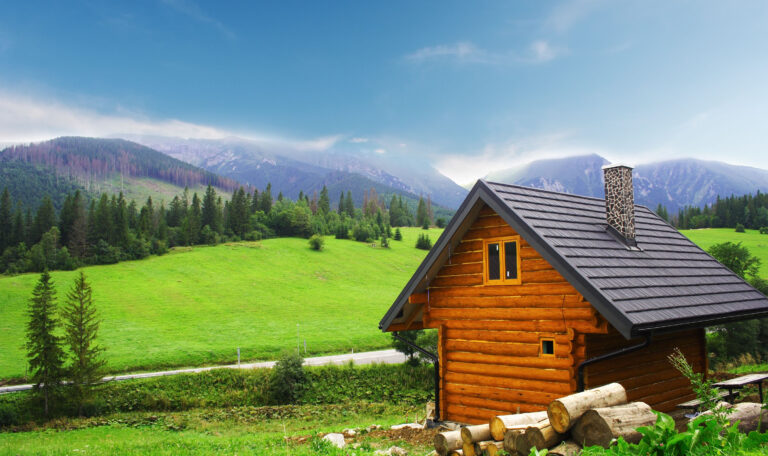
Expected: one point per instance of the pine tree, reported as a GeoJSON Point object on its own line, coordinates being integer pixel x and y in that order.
{"type": "Point", "coordinates": [17, 231]}
{"type": "Point", "coordinates": [422, 217]}
{"type": "Point", "coordinates": [210, 215]}
{"type": "Point", "coordinates": [340, 209]}
{"type": "Point", "coordinates": [46, 358]}
{"type": "Point", "coordinates": [81, 326]}
{"type": "Point", "coordinates": [324, 203]}
{"type": "Point", "coordinates": [45, 219]}
{"type": "Point", "coordinates": [349, 205]}
{"type": "Point", "coordinates": [193, 220]}
{"type": "Point", "coordinates": [266, 199]}
{"type": "Point", "coordinates": [6, 223]}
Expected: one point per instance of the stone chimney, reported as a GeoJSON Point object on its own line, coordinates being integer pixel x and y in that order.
{"type": "Point", "coordinates": [620, 201]}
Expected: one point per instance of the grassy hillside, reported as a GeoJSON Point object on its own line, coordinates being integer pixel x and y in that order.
{"type": "Point", "coordinates": [752, 239]}
{"type": "Point", "coordinates": [196, 306]}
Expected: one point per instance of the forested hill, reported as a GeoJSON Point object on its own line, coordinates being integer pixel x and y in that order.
{"type": "Point", "coordinates": [85, 160]}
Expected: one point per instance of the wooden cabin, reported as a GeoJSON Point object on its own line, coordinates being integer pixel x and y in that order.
{"type": "Point", "coordinates": [527, 287]}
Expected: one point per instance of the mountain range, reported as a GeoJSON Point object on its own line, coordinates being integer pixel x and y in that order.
{"type": "Point", "coordinates": [164, 165]}
{"type": "Point", "coordinates": [672, 183]}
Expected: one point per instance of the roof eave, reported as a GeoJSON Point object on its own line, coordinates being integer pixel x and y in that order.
{"type": "Point", "coordinates": [432, 256]}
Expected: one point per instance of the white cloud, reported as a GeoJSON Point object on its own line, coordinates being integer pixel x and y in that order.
{"type": "Point", "coordinates": [27, 119]}
{"type": "Point", "coordinates": [543, 51]}
{"type": "Point", "coordinates": [193, 10]}
{"type": "Point", "coordinates": [462, 51]}
{"type": "Point", "coordinates": [466, 168]}
{"type": "Point", "coordinates": [381, 151]}
{"type": "Point", "coordinates": [358, 140]}
{"type": "Point", "coordinates": [465, 52]}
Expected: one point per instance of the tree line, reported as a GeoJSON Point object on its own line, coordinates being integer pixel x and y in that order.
{"type": "Point", "coordinates": [749, 211]}
{"type": "Point", "coordinates": [109, 228]}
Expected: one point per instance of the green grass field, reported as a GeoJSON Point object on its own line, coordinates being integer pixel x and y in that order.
{"type": "Point", "coordinates": [197, 305]}
{"type": "Point", "coordinates": [752, 239]}
{"type": "Point", "coordinates": [241, 430]}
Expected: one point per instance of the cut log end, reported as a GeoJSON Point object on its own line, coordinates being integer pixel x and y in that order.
{"type": "Point", "coordinates": [558, 416]}
{"type": "Point", "coordinates": [601, 425]}
{"type": "Point", "coordinates": [567, 448]}
{"type": "Point", "coordinates": [446, 442]}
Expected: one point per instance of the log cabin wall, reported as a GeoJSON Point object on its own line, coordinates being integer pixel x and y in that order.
{"type": "Point", "coordinates": [489, 335]}
{"type": "Point", "coordinates": [647, 374]}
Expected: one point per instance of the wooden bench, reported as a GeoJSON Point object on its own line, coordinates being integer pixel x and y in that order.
{"type": "Point", "coordinates": [743, 381]}
{"type": "Point", "coordinates": [696, 403]}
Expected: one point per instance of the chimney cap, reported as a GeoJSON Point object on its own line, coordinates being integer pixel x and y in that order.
{"type": "Point", "coordinates": [617, 165]}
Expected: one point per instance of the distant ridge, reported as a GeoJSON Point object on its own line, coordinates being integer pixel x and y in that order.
{"type": "Point", "coordinates": [672, 183]}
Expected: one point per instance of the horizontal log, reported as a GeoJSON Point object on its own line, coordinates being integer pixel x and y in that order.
{"type": "Point", "coordinates": [489, 232]}
{"type": "Point", "coordinates": [614, 339]}
{"type": "Point", "coordinates": [671, 404]}
{"type": "Point", "coordinates": [661, 391]}
{"type": "Point", "coordinates": [476, 433]}
{"type": "Point", "coordinates": [535, 264]}
{"type": "Point", "coordinates": [547, 362]}
{"type": "Point", "coordinates": [639, 358]}
{"type": "Point", "coordinates": [512, 325]}
{"type": "Point", "coordinates": [405, 327]}
{"type": "Point", "coordinates": [600, 426]}
{"type": "Point", "coordinates": [471, 415]}
{"type": "Point", "coordinates": [557, 289]}
{"type": "Point", "coordinates": [564, 412]}
{"type": "Point", "coordinates": [535, 398]}
{"type": "Point", "coordinates": [518, 313]}
{"type": "Point", "coordinates": [489, 221]}
{"type": "Point", "coordinates": [524, 373]}
{"type": "Point", "coordinates": [456, 281]}
{"type": "Point", "coordinates": [505, 336]}
{"type": "Point", "coordinates": [486, 211]}
{"type": "Point", "coordinates": [470, 246]}
{"type": "Point", "coordinates": [508, 348]}
{"type": "Point", "coordinates": [501, 424]}
{"type": "Point", "coordinates": [597, 348]}
{"type": "Point", "coordinates": [641, 375]}
{"type": "Point", "coordinates": [447, 441]}
{"type": "Point", "coordinates": [546, 301]}
{"type": "Point", "coordinates": [465, 257]}
{"type": "Point", "coordinates": [510, 383]}
{"type": "Point", "coordinates": [460, 268]}
{"type": "Point", "coordinates": [543, 276]}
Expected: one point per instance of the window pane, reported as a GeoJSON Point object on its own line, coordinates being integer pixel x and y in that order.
{"type": "Point", "coordinates": [510, 260]}
{"type": "Point", "coordinates": [494, 265]}
{"type": "Point", "coordinates": [547, 347]}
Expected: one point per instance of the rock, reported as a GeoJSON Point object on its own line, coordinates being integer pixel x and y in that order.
{"type": "Point", "coordinates": [349, 433]}
{"type": "Point", "coordinates": [392, 451]}
{"type": "Point", "coordinates": [336, 439]}
{"type": "Point", "coordinates": [373, 427]}
{"type": "Point", "coordinates": [407, 426]}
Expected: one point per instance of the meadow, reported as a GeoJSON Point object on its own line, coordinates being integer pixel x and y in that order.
{"type": "Point", "coordinates": [196, 306]}
{"type": "Point", "coordinates": [752, 239]}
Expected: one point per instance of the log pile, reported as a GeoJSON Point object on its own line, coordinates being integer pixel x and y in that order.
{"type": "Point", "coordinates": [593, 417]}
{"type": "Point", "coordinates": [517, 434]}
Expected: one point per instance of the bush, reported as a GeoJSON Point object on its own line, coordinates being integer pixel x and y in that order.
{"type": "Point", "coordinates": [440, 222]}
{"type": "Point", "coordinates": [764, 230]}
{"type": "Point", "coordinates": [384, 242]}
{"type": "Point", "coordinates": [316, 242]}
{"type": "Point", "coordinates": [252, 236]}
{"type": "Point", "coordinates": [739, 228]}
{"type": "Point", "coordinates": [425, 225]}
{"type": "Point", "coordinates": [288, 380]}
{"type": "Point", "coordinates": [423, 242]}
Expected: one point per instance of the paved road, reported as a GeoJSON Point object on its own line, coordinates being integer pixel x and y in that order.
{"type": "Point", "coordinates": [381, 356]}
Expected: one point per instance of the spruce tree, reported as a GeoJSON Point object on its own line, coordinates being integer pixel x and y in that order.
{"type": "Point", "coordinates": [349, 205]}
{"type": "Point", "coordinates": [81, 326]}
{"type": "Point", "coordinates": [45, 219]}
{"type": "Point", "coordinates": [340, 209]}
{"type": "Point", "coordinates": [324, 203]}
{"type": "Point", "coordinates": [422, 217]}
{"type": "Point", "coordinates": [266, 199]}
{"type": "Point", "coordinates": [46, 358]}
{"type": "Point", "coordinates": [6, 224]}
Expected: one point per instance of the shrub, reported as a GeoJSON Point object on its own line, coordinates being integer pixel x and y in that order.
{"type": "Point", "coordinates": [425, 225]}
{"type": "Point", "coordinates": [423, 242]}
{"type": "Point", "coordinates": [288, 379]}
{"type": "Point", "coordinates": [316, 242]}
{"type": "Point", "coordinates": [739, 228]}
{"type": "Point", "coordinates": [764, 230]}
{"type": "Point", "coordinates": [398, 235]}
{"type": "Point", "coordinates": [440, 222]}
{"type": "Point", "coordinates": [342, 231]}
{"type": "Point", "coordinates": [384, 242]}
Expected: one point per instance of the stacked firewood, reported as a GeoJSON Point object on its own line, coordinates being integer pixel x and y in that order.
{"type": "Point", "coordinates": [593, 417]}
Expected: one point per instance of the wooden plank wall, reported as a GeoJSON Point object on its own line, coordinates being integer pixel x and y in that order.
{"type": "Point", "coordinates": [647, 374]}
{"type": "Point", "coordinates": [489, 335]}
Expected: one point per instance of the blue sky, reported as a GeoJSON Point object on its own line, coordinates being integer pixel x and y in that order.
{"type": "Point", "coordinates": [471, 86]}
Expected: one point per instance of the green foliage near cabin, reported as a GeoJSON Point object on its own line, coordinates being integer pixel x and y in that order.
{"type": "Point", "coordinates": [197, 305]}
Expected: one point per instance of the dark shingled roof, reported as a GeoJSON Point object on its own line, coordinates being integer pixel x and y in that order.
{"type": "Point", "coordinates": [666, 283]}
